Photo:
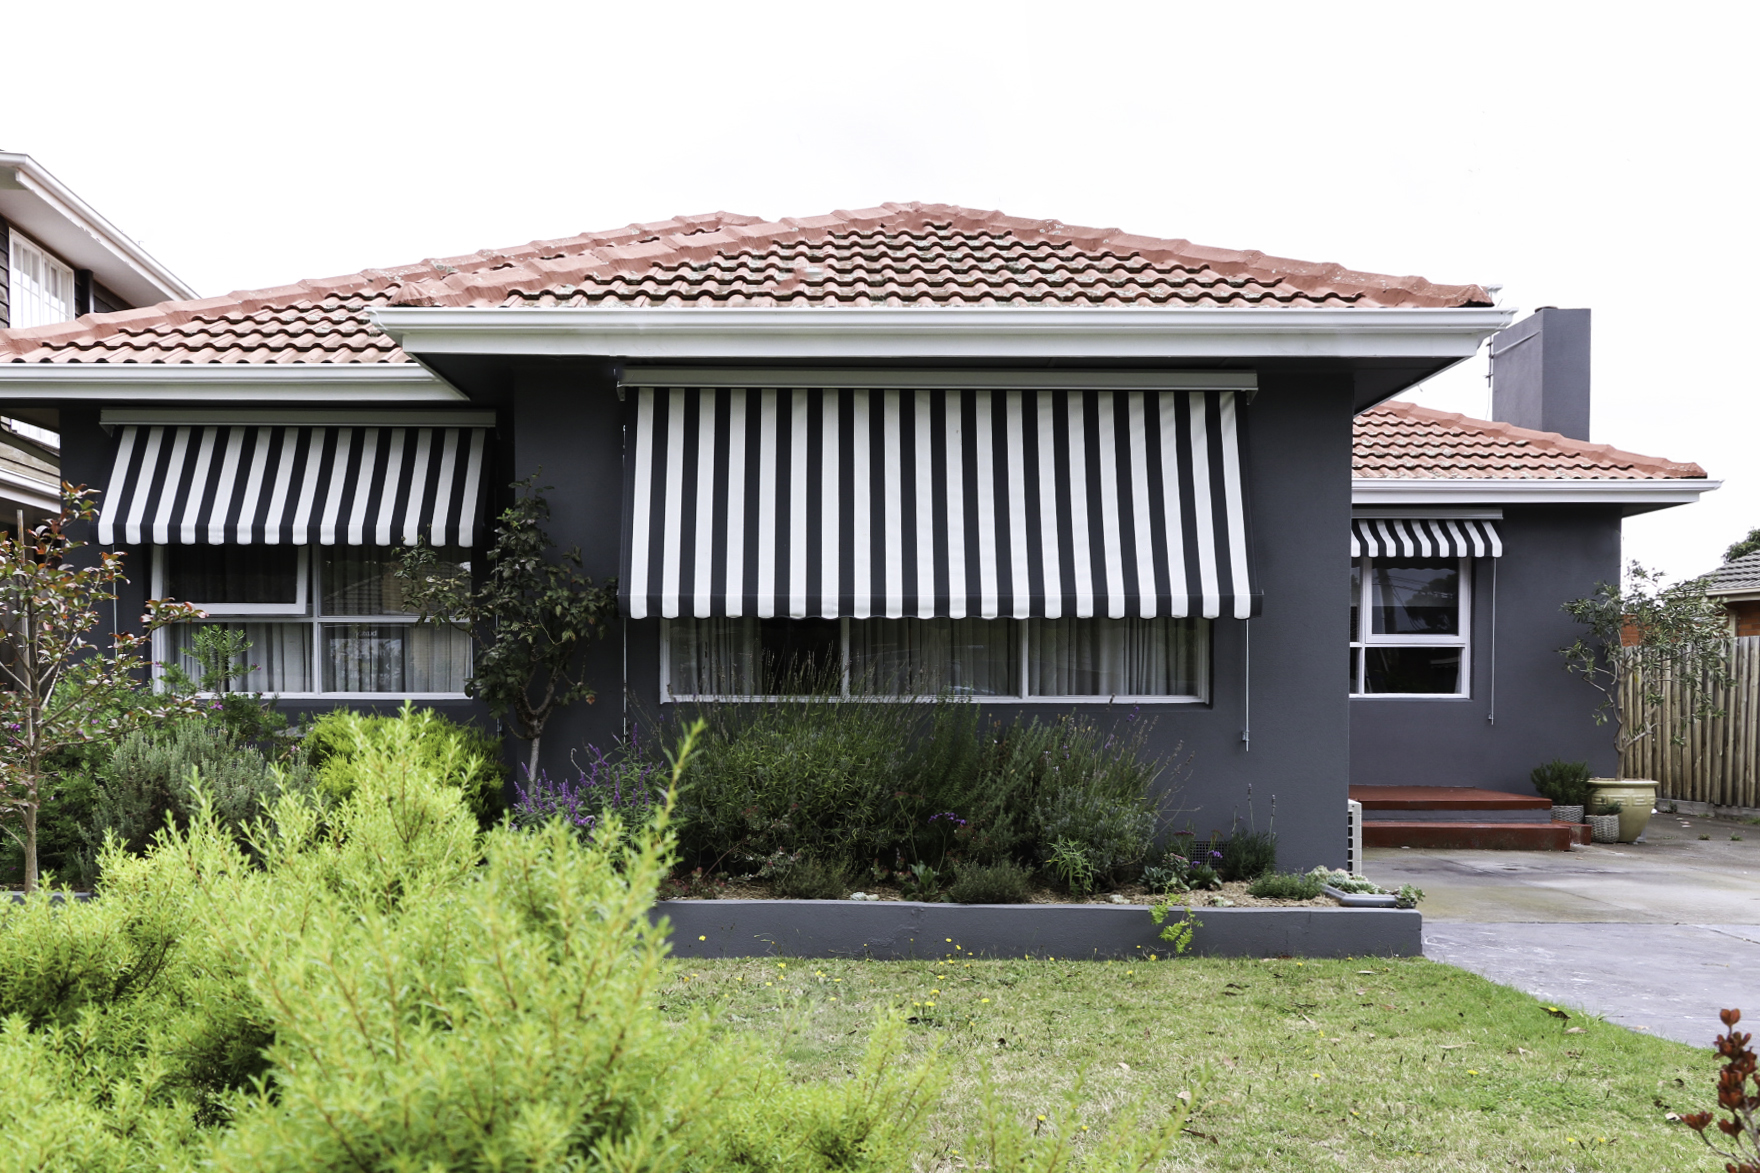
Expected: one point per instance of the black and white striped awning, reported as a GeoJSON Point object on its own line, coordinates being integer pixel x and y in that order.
{"type": "Point", "coordinates": [927, 503]}
{"type": "Point", "coordinates": [1424, 537]}
{"type": "Point", "coordinates": [243, 484]}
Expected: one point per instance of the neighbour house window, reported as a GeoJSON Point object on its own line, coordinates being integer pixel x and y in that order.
{"type": "Point", "coordinates": [321, 620]}
{"type": "Point", "coordinates": [1036, 659]}
{"type": "Point", "coordinates": [41, 289]}
{"type": "Point", "coordinates": [1409, 626]}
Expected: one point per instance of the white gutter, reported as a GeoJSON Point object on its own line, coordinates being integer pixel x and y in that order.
{"type": "Point", "coordinates": [142, 279]}
{"type": "Point", "coordinates": [987, 332]}
{"type": "Point", "coordinates": [1654, 494]}
{"type": "Point", "coordinates": [29, 492]}
{"type": "Point", "coordinates": [237, 384]}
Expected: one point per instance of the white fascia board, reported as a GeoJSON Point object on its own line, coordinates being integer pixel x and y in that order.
{"type": "Point", "coordinates": [17, 489]}
{"type": "Point", "coordinates": [46, 210]}
{"type": "Point", "coordinates": [985, 332]}
{"type": "Point", "coordinates": [912, 380]}
{"type": "Point", "coordinates": [255, 384]}
{"type": "Point", "coordinates": [1652, 493]}
{"type": "Point", "coordinates": [112, 417]}
{"type": "Point", "coordinates": [1742, 596]}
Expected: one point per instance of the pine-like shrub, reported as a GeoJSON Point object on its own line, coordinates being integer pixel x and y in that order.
{"type": "Point", "coordinates": [1565, 783]}
{"type": "Point", "coordinates": [463, 755]}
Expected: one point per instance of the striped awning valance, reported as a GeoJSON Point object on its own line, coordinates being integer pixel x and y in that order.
{"type": "Point", "coordinates": [799, 502]}
{"type": "Point", "coordinates": [1424, 537]}
{"type": "Point", "coordinates": [236, 483]}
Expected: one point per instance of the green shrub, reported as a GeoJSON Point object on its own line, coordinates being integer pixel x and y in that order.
{"type": "Point", "coordinates": [1565, 783]}
{"type": "Point", "coordinates": [387, 987]}
{"type": "Point", "coordinates": [1247, 855]}
{"type": "Point", "coordinates": [811, 878]}
{"type": "Point", "coordinates": [1203, 878]}
{"type": "Point", "coordinates": [1070, 863]}
{"type": "Point", "coordinates": [1005, 882]}
{"type": "Point", "coordinates": [900, 782]}
{"type": "Point", "coordinates": [463, 755]}
{"type": "Point", "coordinates": [1286, 886]}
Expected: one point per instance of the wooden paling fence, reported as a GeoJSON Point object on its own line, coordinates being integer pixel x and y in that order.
{"type": "Point", "coordinates": [1719, 760]}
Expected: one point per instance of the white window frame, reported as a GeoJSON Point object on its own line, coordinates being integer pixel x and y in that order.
{"type": "Point", "coordinates": [17, 296]}
{"type": "Point", "coordinates": [1018, 697]}
{"type": "Point", "coordinates": [1365, 640]}
{"type": "Point", "coordinates": [308, 611]}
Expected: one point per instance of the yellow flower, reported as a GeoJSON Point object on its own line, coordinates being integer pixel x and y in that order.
{"type": "Point", "coordinates": [983, 999]}
{"type": "Point", "coordinates": [700, 938]}
{"type": "Point", "coordinates": [1041, 1119]}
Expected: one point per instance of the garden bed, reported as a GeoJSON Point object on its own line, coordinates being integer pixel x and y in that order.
{"type": "Point", "coordinates": [1231, 895]}
{"type": "Point", "coordinates": [901, 929]}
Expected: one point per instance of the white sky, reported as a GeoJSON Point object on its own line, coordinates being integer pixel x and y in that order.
{"type": "Point", "coordinates": [1583, 155]}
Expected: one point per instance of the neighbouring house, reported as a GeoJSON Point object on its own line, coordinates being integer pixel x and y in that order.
{"type": "Point", "coordinates": [1737, 583]}
{"type": "Point", "coordinates": [61, 260]}
{"type": "Point", "coordinates": [1045, 467]}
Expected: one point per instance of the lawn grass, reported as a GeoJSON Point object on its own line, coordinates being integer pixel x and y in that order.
{"type": "Point", "coordinates": [1310, 1065]}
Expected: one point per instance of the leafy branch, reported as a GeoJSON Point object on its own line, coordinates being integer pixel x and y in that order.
{"type": "Point", "coordinates": [1640, 641]}
{"type": "Point", "coordinates": [530, 617]}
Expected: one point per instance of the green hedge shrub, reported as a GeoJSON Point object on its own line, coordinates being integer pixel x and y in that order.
{"type": "Point", "coordinates": [1286, 886]}
{"type": "Point", "coordinates": [889, 784]}
{"type": "Point", "coordinates": [1006, 882]}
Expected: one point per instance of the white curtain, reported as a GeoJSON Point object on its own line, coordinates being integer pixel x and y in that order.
{"type": "Point", "coordinates": [280, 655]}
{"type": "Point", "coordinates": [959, 657]}
{"type": "Point", "coordinates": [1118, 657]}
{"type": "Point", "coordinates": [395, 658]}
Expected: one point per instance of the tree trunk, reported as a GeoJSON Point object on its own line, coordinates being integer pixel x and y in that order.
{"type": "Point", "coordinates": [30, 847]}
{"type": "Point", "coordinates": [532, 765]}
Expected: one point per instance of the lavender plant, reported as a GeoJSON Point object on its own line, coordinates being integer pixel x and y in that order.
{"type": "Point", "coordinates": [622, 782]}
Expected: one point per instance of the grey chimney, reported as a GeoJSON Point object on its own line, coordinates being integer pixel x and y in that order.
{"type": "Point", "coordinates": [1540, 373]}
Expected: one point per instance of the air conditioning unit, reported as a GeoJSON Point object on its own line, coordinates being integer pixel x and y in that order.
{"type": "Point", "coordinates": [1353, 851]}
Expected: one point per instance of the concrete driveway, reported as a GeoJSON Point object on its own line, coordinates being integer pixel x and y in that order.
{"type": "Point", "coordinates": [1657, 936]}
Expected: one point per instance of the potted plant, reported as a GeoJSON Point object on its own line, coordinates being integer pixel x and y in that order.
{"type": "Point", "coordinates": [1658, 655]}
{"type": "Point", "coordinates": [1569, 786]}
{"type": "Point", "coordinates": [1604, 823]}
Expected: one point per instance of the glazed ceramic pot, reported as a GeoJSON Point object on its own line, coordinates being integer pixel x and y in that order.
{"type": "Point", "coordinates": [1567, 814]}
{"type": "Point", "coordinates": [1636, 798]}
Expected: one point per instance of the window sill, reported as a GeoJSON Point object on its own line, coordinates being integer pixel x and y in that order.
{"type": "Point", "coordinates": [1411, 696]}
{"type": "Point", "coordinates": [983, 700]}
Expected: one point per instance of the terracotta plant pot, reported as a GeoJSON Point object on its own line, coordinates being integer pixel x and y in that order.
{"type": "Point", "coordinates": [1636, 798]}
{"type": "Point", "coordinates": [1567, 814]}
{"type": "Point", "coordinates": [1604, 828]}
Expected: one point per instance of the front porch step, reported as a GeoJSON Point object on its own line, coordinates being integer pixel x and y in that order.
{"type": "Point", "coordinates": [1446, 798]}
{"type": "Point", "coordinates": [1483, 836]}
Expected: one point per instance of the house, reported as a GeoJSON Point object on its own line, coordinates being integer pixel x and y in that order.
{"type": "Point", "coordinates": [1737, 583]}
{"type": "Point", "coordinates": [1048, 467]}
{"type": "Point", "coordinates": [59, 259]}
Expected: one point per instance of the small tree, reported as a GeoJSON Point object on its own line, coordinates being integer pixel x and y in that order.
{"type": "Point", "coordinates": [61, 689]}
{"type": "Point", "coordinates": [1746, 546]}
{"type": "Point", "coordinates": [1642, 639]}
{"type": "Point", "coordinates": [530, 618]}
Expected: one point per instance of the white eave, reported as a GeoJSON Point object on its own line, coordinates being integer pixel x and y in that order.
{"type": "Point", "coordinates": [233, 384]}
{"type": "Point", "coordinates": [40, 206]}
{"type": "Point", "coordinates": [903, 332]}
{"type": "Point", "coordinates": [1643, 494]}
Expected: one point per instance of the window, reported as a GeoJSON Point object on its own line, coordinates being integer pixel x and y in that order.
{"type": "Point", "coordinates": [1409, 626]}
{"type": "Point", "coordinates": [41, 289]}
{"type": "Point", "coordinates": [321, 620]}
{"type": "Point", "coordinates": [1035, 659]}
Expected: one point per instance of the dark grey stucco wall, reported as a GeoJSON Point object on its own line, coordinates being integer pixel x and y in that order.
{"type": "Point", "coordinates": [568, 429]}
{"type": "Point", "coordinates": [1551, 554]}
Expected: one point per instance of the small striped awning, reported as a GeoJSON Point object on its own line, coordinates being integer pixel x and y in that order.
{"type": "Point", "coordinates": [243, 484]}
{"type": "Point", "coordinates": [1424, 538]}
{"type": "Point", "coordinates": [951, 503]}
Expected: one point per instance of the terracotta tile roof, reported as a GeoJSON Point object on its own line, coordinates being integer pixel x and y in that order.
{"type": "Point", "coordinates": [896, 254]}
{"type": "Point", "coordinates": [1404, 440]}
{"type": "Point", "coordinates": [1737, 576]}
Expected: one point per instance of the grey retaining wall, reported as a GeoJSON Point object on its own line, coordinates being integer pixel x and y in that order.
{"type": "Point", "coordinates": [895, 930]}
